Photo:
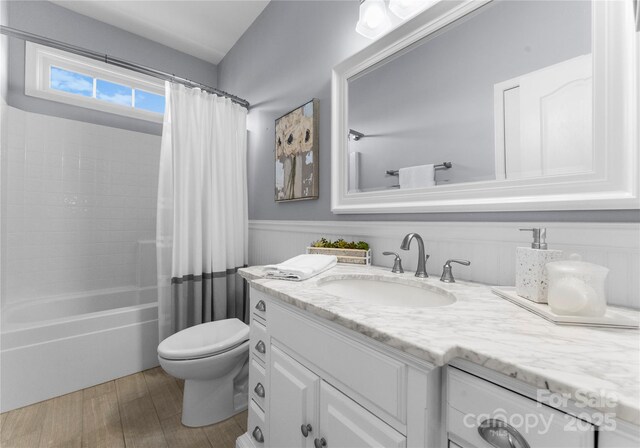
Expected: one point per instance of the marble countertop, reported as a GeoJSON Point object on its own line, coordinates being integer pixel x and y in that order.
{"type": "Point", "coordinates": [484, 329]}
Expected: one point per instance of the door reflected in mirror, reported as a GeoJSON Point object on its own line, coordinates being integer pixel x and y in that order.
{"type": "Point", "coordinates": [503, 93]}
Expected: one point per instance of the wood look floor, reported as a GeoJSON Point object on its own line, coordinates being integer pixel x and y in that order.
{"type": "Point", "coordinates": [141, 410]}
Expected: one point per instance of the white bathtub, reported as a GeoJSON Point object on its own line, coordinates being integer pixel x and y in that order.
{"type": "Point", "coordinates": [54, 346]}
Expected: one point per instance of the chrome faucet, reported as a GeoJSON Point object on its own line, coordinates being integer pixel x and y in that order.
{"type": "Point", "coordinates": [422, 258]}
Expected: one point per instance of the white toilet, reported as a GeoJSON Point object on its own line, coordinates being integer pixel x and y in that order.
{"type": "Point", "coordinates": [212, 358]}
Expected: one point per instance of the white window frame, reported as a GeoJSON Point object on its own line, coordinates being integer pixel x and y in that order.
{"type": "Point", "coordinates": [38, 62]}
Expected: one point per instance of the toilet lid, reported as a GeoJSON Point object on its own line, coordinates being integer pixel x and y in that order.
{"type": "Point", "coordinates": [204, 340]}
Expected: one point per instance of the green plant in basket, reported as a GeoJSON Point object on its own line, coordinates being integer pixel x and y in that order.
{"type": "Point", "coordinates": [340, 244]}
{"type": "Point", "coordinates": [322, 242]}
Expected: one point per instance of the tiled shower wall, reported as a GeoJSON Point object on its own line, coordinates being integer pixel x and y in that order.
{"type": "Point", "coordinates": [79, 199]}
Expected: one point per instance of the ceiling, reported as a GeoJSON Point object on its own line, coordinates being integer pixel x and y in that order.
{"type": "Point", "coordinates": [206, 29]}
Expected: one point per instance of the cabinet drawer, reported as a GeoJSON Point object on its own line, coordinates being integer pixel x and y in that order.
{"type": "Point", "coordinates": [256, 426]}
{"type": "Point", "coordinates": [259, 342]}
{"type": "Point", "coordinates": [257, 382]}
{"type": "Point", "coordinates": [472, 401]}
{"type": "Point", "coordinates": [377, 378]}
{"type": "Point", "coordinates": [258, 304]}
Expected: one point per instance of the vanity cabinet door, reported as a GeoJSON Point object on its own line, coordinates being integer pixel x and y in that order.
{"type": "Point", "coordinates": [293, 402]}
{"type": "Point", "coordinates": [346, 424]}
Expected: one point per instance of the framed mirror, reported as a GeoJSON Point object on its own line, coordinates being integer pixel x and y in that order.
{"type": "Point", "coordinates": [490, 106]}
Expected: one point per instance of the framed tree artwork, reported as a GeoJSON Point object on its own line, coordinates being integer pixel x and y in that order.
{"type": "Point", "coordinates": [297, 154]}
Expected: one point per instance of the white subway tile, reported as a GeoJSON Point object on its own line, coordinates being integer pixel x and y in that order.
{"type": "Point", "coordinates": [16, 154]}
{"type": "Point", "coordinates": [78, 198]}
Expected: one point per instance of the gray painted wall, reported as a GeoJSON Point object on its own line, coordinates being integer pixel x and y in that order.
{"type": "Point", "coordinates": [284, 59]}
{"type": "Point", "coordinates": [50, 20]}
{"type": "Point", "coordinates": [435, 103]}
{"type": "Point", "coordinates": [4, 53]}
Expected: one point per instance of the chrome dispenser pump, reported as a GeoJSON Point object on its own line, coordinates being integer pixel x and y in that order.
{"type": "Point", "coordinates": [531, 275]}
{"type": "Point", "coordinates": [539, 237]}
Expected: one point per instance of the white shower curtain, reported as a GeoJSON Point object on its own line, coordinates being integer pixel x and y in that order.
{"type": "Point", "coordinates": [202, 210]}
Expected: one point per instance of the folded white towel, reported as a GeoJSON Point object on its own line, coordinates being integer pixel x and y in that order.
{"type": "Point", "coordinates": [301, 267]}
{"type": "Point", "coordinates": [417, 176]}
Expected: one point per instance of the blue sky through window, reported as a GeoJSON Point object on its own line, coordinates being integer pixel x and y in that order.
{"type": "Point", "coordinates": [113, 93]}
{"type": "Point", "coordinates": [149, 101]}
{"type": "Point", "coordinates": [71, 82]}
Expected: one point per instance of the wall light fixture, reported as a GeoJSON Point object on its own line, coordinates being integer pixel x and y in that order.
{"type": "Point", "coordinates": [374, 19]}
{"type": "Point", "coordinates": [406, 8]}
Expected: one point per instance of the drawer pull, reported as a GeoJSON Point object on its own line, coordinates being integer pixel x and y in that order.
{"type": "Point", "coordinates": [319, 443]}
{"type": "Point", "coordinates": [261, 306]}
{"type": "Point", "coordinates": [500, 434]}
{"type": "Point", "coordinates": [259, 390]}
{"type": "Point", "coordinates": [260, 347]}
{"type": "Point", "coordinates": [306, 429]}
{"type": "Point", "coordinates": [257, 434]}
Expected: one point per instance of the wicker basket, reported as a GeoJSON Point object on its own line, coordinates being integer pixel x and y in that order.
{"type": "Point", "coordinates": [347, 256]}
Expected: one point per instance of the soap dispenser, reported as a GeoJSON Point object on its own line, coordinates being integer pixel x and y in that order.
{"type": "Point", "coordinates": [531, 276]}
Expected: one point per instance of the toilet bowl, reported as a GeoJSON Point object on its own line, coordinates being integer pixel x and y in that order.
{"type": "Point", "coordinates": [211, 358]}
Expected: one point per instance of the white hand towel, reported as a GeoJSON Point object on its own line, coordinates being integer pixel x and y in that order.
{"type": "Point", "coordinates": [354, 172]}
{"type": "Point", "coordinates": [419, 176]}
{"type": "Point", "coordinates": [301, 267]}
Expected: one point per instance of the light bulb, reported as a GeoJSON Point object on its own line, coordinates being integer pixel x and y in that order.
{"type": "Point", "coordinates": [374, 16]}
{"type": "Point", "coordinates": [373, 20]}
{"type": "Point", "coordinates": [407, 8]}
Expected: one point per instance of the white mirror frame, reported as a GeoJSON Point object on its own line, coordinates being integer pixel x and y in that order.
{"type": "Point", "coordinates": [613, 184]}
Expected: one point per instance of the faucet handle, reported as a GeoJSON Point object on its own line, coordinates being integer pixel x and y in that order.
{"type": "Point", "coordinates": [397, 263]}
{"type": "Point", "coordinates": [447, 274]}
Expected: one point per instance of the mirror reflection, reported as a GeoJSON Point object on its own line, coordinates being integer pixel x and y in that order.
{"type": "Point", "coordinates": [503, 93]}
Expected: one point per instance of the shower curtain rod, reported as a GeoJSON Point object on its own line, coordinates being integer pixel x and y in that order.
{"type": "Point", "coordinates": [23, 35]}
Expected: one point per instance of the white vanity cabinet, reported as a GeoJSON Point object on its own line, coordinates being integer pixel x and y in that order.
{"type": "Point", "coordinates": [477, 397]}
{"type": "Point", "coordinates": [329, 418]}
{"type": "Point", "coordinates": [324, 386]}
{"type": "Point", "coordinates": [293, 407]}
{"type": "Point", "coordinates": [345, 423]}
{"type": "Point", "coordinates": [481, 414]}
{"type": "Point", "coordinates": [315, 384]}
{"type": "Point", "coordinates": [258, 386]}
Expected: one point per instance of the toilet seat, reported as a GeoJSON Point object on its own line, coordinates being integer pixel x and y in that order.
{"type": "Point", "coordinates": [204, 340]}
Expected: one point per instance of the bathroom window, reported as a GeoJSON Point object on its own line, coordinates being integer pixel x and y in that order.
{"type": "Point", "coordinates": [67, 78]}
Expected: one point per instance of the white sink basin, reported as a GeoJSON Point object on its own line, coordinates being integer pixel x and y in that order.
{"type": "Point", "coordinates": [386, 293]}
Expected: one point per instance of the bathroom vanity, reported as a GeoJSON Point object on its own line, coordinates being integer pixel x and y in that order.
{"type": "Point", "coordinates": [362, 357]}
{"type": "Point", "coordinates": [330, 370]}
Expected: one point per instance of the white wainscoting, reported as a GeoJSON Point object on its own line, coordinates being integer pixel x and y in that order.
{"type": "Point", "coordinates": [489, 246]}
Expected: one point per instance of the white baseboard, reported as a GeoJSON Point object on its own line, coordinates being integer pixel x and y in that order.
{"type": "Point", "coordinates": [489, 246]}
